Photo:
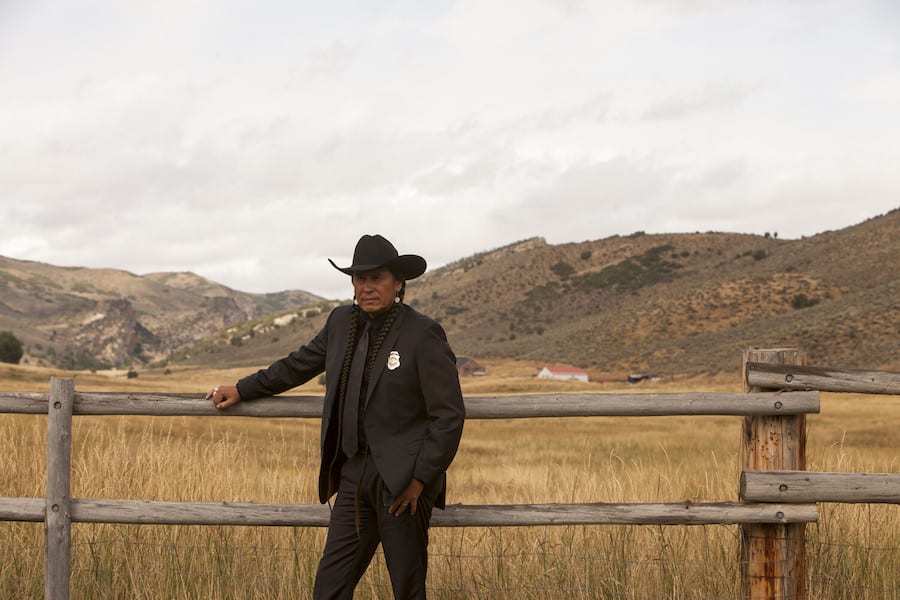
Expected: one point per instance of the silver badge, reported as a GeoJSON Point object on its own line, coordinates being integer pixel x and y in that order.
{"type": "Point", "coordinates": [393, 360]}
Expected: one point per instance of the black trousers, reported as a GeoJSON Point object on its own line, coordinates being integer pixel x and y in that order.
{"type": "Point", "coordinates": [359, 521]}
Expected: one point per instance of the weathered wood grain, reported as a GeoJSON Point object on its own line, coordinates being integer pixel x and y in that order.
{"type": "Point", "coordinates": [805, 486]}
{"type": "Point", "coordinates": [26, 403]}
{"type": "Point", "coordinates": [58, 554]}
{"type": "Point", "coordinates": [682, 513]}
{"type": "Point", "coordinates": [773, 565]}
{"type": "Point", "coordinates": [638, 405]}
{"type": "Point", "coordinates": [477, 407]}
{"type": "Point", "coordinates": [23, 509]}
{"type": "Point", "coordinates": [826, 379]}
{"type": "Point", "coordinates": [147, 512]}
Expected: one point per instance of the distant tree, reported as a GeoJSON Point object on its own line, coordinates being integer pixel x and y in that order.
{"type": "Point", "coordinates": [10, 348]}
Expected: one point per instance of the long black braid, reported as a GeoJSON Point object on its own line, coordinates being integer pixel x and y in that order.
{"type": "Point", "coordinates": [352, 339]}
{"type": "Point", "coordinates": [372, 356]}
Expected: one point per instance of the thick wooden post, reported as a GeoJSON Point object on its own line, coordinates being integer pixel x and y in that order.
{"type": "Point", "coordinates": [58, 520]}
{"type": "Point", "coordinates": [773, 564]}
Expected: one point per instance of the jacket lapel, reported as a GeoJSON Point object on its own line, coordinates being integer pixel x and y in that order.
{"type": "Point", "coordinates": [389, 344]}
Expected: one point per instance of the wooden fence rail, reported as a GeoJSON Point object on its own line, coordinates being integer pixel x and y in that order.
{"type": "Point", "coordinates": [777, 495]}
{"type": "Point", "coordinates": [804, 486]}
{"type": "Point", "coordinates": [477, 407]}
{"type": "Point", "coordinates": [146, 512]}
{"type": "Point", "coordinates": [825, 379]}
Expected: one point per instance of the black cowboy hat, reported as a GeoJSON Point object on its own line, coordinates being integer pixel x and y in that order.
{"type": "Point", "coordinates": [374, 251]}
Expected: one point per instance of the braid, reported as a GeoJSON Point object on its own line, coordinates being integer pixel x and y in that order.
{"type": "Point", "coordinates": [379, 339]}
{"type": "Point", "coordinates": [352, 338]}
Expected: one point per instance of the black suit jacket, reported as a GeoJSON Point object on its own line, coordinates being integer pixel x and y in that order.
{"type": "Point", "coordinates": [414, 411]}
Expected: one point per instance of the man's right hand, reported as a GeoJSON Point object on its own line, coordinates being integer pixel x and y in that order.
{"type": "Point", "coordinates": [223, 396]}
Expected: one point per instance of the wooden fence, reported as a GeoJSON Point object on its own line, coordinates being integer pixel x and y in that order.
{"type": "Point", "coordinates": [778, 497]}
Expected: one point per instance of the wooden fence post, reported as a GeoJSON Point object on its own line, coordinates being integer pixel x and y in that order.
{"type": "Point", "coordinates": [773, 564]}
{"type": "Point", "coordinates": [58, 521]}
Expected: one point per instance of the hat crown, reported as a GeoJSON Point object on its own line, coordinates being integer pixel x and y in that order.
{"type": "Point", "coordinates": [374, 250]}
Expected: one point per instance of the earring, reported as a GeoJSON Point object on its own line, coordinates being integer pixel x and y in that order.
{"type": "Point", "coordinates": [397, 299]}
{"type": "Point", "coordinates": [355, 301]}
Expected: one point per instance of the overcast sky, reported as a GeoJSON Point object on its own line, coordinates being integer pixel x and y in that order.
{"type": "Point", "coordinates": [249, 140]}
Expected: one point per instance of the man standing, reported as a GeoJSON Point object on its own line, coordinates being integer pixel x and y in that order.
{"type": "Point", "coordinates": [391, 423]}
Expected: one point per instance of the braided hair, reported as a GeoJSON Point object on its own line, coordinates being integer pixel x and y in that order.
{"type": "Point", "coordinates": [352, 341]}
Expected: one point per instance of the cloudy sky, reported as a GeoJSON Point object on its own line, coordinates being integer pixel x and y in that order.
{"type": "Point", "coordinates": [249, 140]}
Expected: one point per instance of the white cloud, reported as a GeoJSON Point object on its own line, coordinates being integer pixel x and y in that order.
{"type": "Point", "coordinates": [251, 141]}
{"type": "Point", "coordinates": [711, 98]}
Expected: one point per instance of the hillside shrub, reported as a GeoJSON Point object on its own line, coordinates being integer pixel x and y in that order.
{"type": "Point", "coordinates": [548, 291]}
{"type": "Point", "coordinates": [634, 272]}
{"type": "Point", "coordinates": [800, 301]}
{"type": "Point", "coordinates": [10, 348]}
{"type": "Point", "coordinates": [562, 269]}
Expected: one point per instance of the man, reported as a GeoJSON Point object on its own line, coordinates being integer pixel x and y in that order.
{"type": "Point", "coordinates": [391, 423]}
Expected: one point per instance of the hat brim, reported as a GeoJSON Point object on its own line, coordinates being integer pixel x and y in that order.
{"type": "Point", "coordinates": [406, 266]}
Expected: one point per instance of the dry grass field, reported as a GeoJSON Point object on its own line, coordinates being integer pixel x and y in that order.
{"type": "Point", "coordinates": [853, 551]}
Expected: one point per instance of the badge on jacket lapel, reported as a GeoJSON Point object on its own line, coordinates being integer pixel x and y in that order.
{"type": "Point", "coordinates": [393, 360]}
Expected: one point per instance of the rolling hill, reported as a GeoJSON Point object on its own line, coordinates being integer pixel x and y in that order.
{"type": "Point", "coordinates": [666, 304]}
{"type": "Point", "coordinates": [76, 317]}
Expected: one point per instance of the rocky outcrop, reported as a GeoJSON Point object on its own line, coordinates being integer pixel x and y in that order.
{"type": "Point", "coordinates": [115, 335]}
{"type": "Point", "coordinates": [80, 318]}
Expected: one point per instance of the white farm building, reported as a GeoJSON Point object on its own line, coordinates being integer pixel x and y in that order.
{"type": "Point", "coordinates": [562, 372]}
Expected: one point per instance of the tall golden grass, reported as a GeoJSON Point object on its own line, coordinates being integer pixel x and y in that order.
{"type": "Point", "coordinates": [853, 551]}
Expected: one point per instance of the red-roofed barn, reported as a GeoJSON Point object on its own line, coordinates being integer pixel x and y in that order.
{"type": "Point", "coordinates": [563, 372]}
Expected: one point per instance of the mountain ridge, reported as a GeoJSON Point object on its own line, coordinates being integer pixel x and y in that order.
{"type": "Point", "coordinates": [79, 317]}
{"type": "Point", "coordinates": [679, 303]}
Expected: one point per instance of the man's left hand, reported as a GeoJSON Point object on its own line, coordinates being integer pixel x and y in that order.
{"type": "Point", "coordinates": [408, 499]}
